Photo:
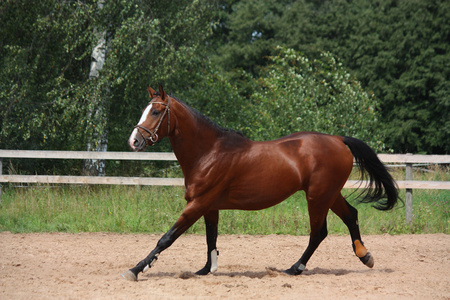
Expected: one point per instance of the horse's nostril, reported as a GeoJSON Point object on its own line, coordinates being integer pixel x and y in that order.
{"type": "Point", "coordinates": [133, 143]}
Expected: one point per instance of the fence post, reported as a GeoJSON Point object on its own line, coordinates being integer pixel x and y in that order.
{"type": "Point", "coordinates": [409, 200]}
{"type": "Point", "coordinates": [1, 172]}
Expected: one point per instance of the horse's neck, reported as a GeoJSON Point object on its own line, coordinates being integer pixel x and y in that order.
{"type": "Point", "coordinates": [192, 138]}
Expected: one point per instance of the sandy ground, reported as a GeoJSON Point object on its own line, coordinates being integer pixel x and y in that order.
{"type": "Point", "coordinates": [88, 266]}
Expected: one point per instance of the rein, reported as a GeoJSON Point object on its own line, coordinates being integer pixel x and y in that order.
{"type": "Point", "coordinates": [153, 135]}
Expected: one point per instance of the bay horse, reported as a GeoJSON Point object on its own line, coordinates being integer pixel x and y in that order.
{"type": "Point", "coordinates": [225, 170]}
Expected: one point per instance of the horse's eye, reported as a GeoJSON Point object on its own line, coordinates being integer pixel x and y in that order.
{"type": "Point", "coordinates": [155, 112]}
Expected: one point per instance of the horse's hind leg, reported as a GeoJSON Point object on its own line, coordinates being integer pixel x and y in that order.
{"type": "Point", "coordinates": [211, 221]}
{"type": "Point", "coordinates": [349, 216]}
{"type": "Point", "coordinates": [318, 222]}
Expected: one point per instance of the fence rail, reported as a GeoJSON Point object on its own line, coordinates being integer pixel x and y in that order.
{"type": "Point", "coordinates": [87, 155]}
{"type": "Point", "coordinates": [408, 159]}
{"type": "Point", "coordinates": [56, 179]}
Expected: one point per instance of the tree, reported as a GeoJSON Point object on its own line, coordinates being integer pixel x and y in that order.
{"type": "Point", "coordinates": [97, 112]}
{"type": "Point", "coordinates": [43, 68]}
{"type": "Point", "coordinates": [397, 49]}
{"type": "Point", "coordinates": [299, 94]}
{"type": "Point", "coordinates": [252, 26]}
{"type": "Point", "coordinates": [152, 42]}
{"type": "Point", "coordinates": [48, 100]}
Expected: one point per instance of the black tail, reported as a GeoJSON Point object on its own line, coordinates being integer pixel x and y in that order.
{"type": "Point", "coordinates": [382, 187]}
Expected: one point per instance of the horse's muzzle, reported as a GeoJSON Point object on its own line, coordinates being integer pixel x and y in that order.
{"type": "Point", "coordinates": [137, 143]}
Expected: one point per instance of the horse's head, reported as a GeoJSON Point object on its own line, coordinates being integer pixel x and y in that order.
{"type": "Point", "coordinates": [154, 123]}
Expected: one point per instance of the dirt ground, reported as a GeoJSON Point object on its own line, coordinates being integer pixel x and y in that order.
{"type": "Point", "coordinates": [88, 266]}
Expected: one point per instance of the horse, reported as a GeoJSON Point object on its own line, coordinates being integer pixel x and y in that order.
{"type": "Point", "coordinates": [223, 169]}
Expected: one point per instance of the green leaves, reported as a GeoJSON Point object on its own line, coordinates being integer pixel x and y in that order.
{"type": "Point", "coordinates": [42, 61]}
{"type": "Point", "coordinates": [397, 49]}
{"type": "Point", "coordinates": [47, 98]}
{"type": "Point", "coordinates": [222, 58]}
{"type": "Point", "coordinates": [299, 94]}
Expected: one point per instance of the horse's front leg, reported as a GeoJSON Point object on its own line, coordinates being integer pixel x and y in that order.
{"type": "Point", "coordinates": [211, 221]}
{"type": "Point", "coordinates": [190, 215]}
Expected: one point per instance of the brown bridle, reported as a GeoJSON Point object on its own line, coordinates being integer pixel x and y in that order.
{"type": "Point", "coordinates": [153, 135]}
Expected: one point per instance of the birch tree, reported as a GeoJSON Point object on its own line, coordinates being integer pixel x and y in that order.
{"type": "Point", "coordinates": [97, 113]}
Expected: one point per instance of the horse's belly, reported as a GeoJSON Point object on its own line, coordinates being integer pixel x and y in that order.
{"type": "Point", "coordinates": [255, 202]}
{"type": "Point", "coordinates": [264, 177]}
{"type": "Point", "coordinates": [260, 193]}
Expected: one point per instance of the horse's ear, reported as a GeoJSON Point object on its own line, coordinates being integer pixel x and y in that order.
{"type": "Point", "coordinates": [151, 92]}
{"type": "Point", "coordinates": [162, 93]}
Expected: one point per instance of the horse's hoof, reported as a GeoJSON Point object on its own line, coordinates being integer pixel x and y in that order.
{"type": "Point", "coordinates": [203, 272]}
{"type": "Point", "coordinates": [295, 270]}
{"type": "Point", "coordinates": [368, 260]}
{"type": "Point", "coordinates": [128, 275]}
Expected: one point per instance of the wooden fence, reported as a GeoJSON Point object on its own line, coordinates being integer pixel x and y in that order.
{"type": "Point", "coordinates": [408, 160]}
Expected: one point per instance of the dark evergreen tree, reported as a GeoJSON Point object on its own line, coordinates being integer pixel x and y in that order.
{"type": "Point", "coordinates": [399, 50]}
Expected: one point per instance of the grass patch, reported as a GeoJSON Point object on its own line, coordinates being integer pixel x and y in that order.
{"type": "Point", "coordinates": [134, 209]}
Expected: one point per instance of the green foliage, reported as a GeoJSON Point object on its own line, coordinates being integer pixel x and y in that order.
{"type": "Point", "coordinates": [398, 49]}
{"type": "Point", "coordinates": [43, 62]}
{"type": "Point", "coordinates": [47, 100]}
{"type": "Point", "coordinates": [148, 43]}
{"type": "Point", "coordinates": [250, 36]}
{"type": "Point", "coordinates": [298, 94]}
{"type": "Point", "coordinates": [221, 57]}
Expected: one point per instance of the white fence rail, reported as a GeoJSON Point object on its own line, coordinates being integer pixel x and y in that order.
{"type": "Point", "coordinates": [407, 159]}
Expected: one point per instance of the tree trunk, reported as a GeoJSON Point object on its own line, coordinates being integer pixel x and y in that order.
{"type": "Point", "coordinates": [97, 114]}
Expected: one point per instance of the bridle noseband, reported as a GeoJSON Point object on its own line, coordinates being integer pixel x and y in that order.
{"type": "Point", "coordinates": [153, 135]}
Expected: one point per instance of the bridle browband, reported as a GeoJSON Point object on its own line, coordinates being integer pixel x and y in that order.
{"type": "Point", "coordinates": [153, 135]}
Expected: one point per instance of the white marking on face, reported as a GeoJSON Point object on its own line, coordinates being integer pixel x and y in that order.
{"type": "Point", "coordinates": [141, 120]}
{"type": "Point", "coordinates": [145, 114]}
{"type": "Point", "coordinates": [214, 265]}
